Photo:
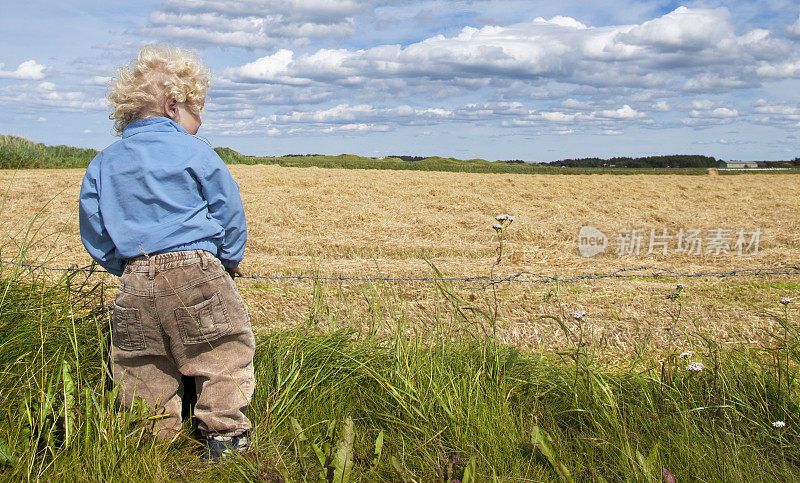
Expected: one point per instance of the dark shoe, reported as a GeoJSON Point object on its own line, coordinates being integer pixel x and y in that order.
{"type": "Point", "coordinates": [218, 446]}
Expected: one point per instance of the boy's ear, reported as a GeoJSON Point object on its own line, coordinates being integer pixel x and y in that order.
{"type": "Point", "coordinates": [171, 107]}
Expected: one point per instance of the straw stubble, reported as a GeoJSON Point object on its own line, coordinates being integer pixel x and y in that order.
{"type": "Point", "coordinates": [387, 223]}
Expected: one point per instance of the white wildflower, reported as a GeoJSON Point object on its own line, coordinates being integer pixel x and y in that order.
{"type": "Point", "coordinates": [695, 367]}
{"type": "Point", "coordinates": [501, 217]}
{"type": "Point", "coordinates": [778, 424]}
{"type": "Point", "coordinates": [578, 314]}
{"type": "Point", "coordinates": [785, 300]}
{"type": "Point", "coordinates": [685, 355]}
{"type": "Point", "coordinates": [497, 227]}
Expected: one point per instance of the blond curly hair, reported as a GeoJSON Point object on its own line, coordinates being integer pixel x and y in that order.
{"type": "Point", "coordinates": [157, 74]}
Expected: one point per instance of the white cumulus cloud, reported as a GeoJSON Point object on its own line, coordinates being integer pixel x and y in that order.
{"type": "Point", "coordinates": [255, 23]}
{"type": "Point", "coordinates": [28, 70]}
{"type": "Point", "coordinates": [704, 104]}
{"type": "Point", "coordinates": [722, 112]}
{"type": "Point", "coordinates": [552, 74]}
{"type": "Point", "coordinates": [706, 113]}
{"type": "Point", "coordinates": [624, 112]}
{"type": "Point", "coordinates": [661, 106]}
{"type": "Point", "coordinates": [48, 95]}
{"type": "Point", "coordinates": [776, 114]}
{"type": "Point", "coordinates": [794, 29]}
{"type": "Point", "coordinates": [687, 49]}
{"type": "Point", "coordinates": [780, 70]}
{"type": "Point", "coordinates": [681, 30]}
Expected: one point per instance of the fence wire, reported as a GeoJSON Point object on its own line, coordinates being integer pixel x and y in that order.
{"type": "Point", "coordinates": [520, 277]}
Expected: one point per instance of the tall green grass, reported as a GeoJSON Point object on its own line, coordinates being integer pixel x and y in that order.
{"type": "Point", "coordinates": [19, 153]}
{"type": "Point", "coordinates": [445, 399]}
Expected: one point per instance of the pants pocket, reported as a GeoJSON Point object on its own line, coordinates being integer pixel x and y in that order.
{"type": "Point", "coordinates": [126, 329]}
{"type": "Point", "coordinates": [203, 322]}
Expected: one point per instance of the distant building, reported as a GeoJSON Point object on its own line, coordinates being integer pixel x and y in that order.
{"type": "Point", "coordinates": [737, 164]}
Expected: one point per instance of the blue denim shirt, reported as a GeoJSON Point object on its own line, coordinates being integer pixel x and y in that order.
{"type": "Point", "coordinates": [160, 189]}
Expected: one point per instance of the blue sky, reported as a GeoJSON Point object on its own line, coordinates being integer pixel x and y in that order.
{"type": "Point", "coordinates": [504, 79]}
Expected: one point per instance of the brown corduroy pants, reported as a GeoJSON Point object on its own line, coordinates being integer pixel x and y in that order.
{"type": "Point", "coordinates": [179, 314]}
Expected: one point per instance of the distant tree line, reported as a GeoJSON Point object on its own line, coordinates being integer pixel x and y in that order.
{"type": "Point", "coordinates": [407, 158]}
{"type": "Point", "coordinates": [671, 161]}
{"type": "Point", "coordinates": [795, 163]}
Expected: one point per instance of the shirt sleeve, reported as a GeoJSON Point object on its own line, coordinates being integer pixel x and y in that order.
{"type": "Point", "coordinates": [93, 233]}
{"type": "Point", "coordinates": [225, 207]}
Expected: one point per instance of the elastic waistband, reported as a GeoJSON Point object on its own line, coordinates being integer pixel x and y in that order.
{"type": "Point", "coordinates": [168, 257]}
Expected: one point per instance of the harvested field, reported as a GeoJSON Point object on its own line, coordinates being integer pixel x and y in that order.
{"type": "Point", "coordinates": [370, 222]}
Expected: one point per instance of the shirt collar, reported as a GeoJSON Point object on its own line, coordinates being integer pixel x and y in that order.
{"type": "Point", "coordinates": [152, 124]}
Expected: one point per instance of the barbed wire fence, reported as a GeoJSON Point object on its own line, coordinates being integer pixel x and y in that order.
{"type": "Point", "coordinates": [644, 271]}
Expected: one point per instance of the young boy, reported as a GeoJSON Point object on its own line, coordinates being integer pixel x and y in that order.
{"type": "Point", "coordinates": [160, 209]}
